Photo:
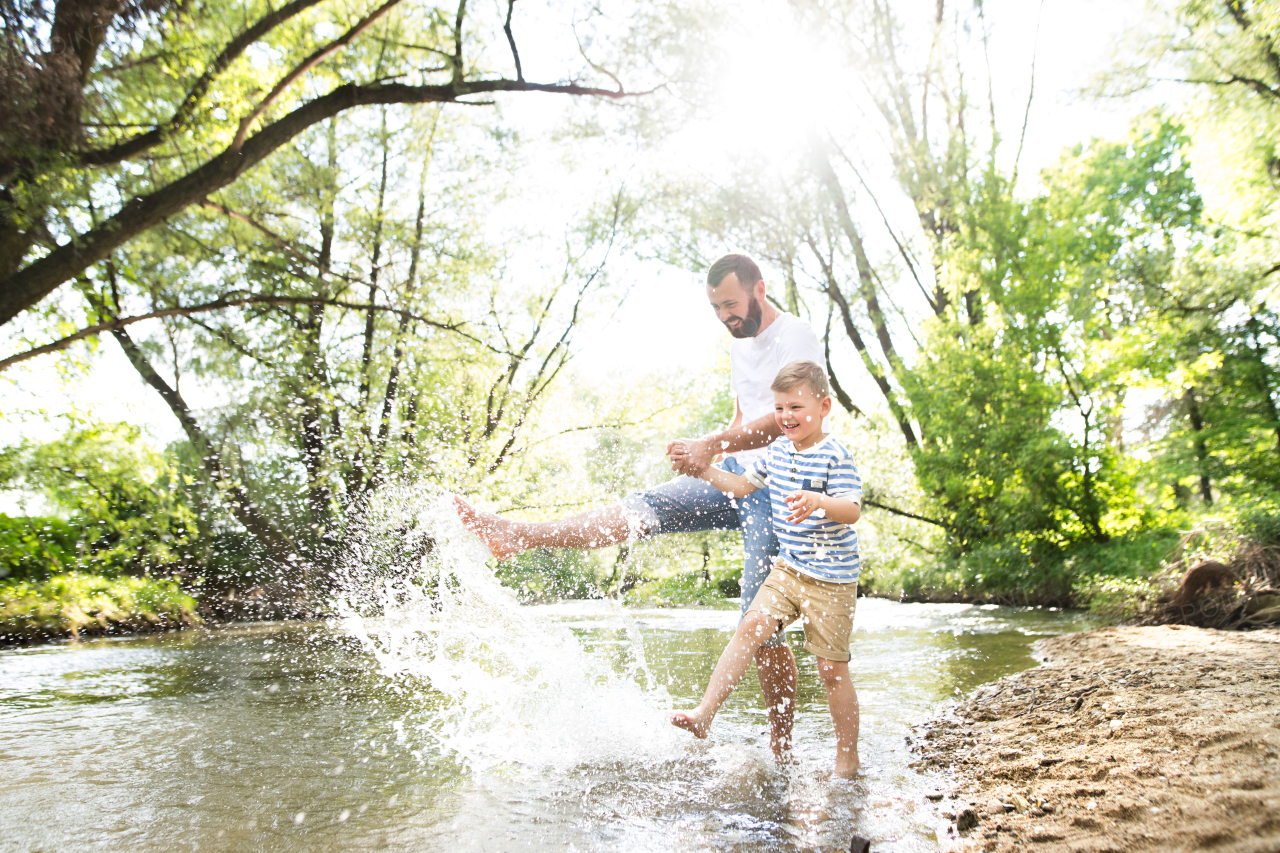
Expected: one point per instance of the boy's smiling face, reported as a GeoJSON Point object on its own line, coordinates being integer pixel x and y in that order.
{"type": "Point", "coordinates": [799, 413]}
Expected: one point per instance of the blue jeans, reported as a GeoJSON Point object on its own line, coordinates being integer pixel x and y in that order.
{"type": "Point", "coordinates": [690, 505]}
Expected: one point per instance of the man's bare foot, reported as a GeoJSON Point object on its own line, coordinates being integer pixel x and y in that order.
{"type": "Point", "coordinates": [780, 724]}
{"type": "Point", "coordinates": [696, 722]}
{"type": "Point", "coordinates": [781, 745]}
{"type": "Point", "coordinates": [493, 530]}
{"type": "Point", "coordinates": [847, 765]}
{"type": "Point", "coordinates": [776, 666]}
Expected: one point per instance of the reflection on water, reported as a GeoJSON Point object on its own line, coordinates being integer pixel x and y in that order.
{"type": "Point", "coordinates": [290, 737]}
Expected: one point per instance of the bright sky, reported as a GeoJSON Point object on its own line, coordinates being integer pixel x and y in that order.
{"type": "Point", "coordinates": [665, 323]}
{"type": "Point", "coordinates": [667, 318]}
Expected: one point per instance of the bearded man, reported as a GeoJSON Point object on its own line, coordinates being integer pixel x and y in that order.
{"type": "Point", "coordinates": [765, 340]}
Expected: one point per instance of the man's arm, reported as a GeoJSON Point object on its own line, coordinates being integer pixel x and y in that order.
{"type": "Point", "coordinates": [759, 433]}
{"type": "Point", "coordinates": [692, 456]}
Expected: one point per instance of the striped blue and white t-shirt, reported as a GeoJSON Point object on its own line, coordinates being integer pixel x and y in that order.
{"type": "Point", "coordinates": [817, 546]}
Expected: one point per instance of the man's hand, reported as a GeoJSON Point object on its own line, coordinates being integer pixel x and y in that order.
{"type": "Point", "coordinates": [691, 456]}
{"type": "Point", "coordinates": [802, 505]}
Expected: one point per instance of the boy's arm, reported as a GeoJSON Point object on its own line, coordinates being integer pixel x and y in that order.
{"type": "Point", "coordinates": [733, 485]}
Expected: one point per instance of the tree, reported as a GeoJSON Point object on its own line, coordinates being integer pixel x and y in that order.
{"type": "Point", "coordinates": [1225, 56]}
{"type": "Point", "coordinates": [118, 116]}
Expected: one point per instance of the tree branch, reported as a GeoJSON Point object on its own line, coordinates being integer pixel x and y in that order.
{"type": "Point", "coordinates": [905, 514]}
{"type": "Point", "coordinates": [1258, 86]}
{"type": "Point", "coordinates": [511, 40]}
{"type": "Point", "coordinates": [457, 41]}
{"type": "Point", "coordinates": [843, 396]}
{"type": "Point", "coordinates": [218, 305]}
{"type": "Point", "coordinates": [1031, 90]}
{"type": "Point", "coordinates": [182, 115]}
{"type": "Point", "coordinates": [258, 226]}
{"type": "Point", "coordinates": [306, 65]}
{"type": "Point", "coordinates": [28, 286]}
{"type": "Point", "coordinates": [903, 251]}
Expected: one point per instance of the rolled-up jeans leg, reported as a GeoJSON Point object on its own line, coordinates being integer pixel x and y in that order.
{"type": "Point", "coordinates": [759, 545]}
{"type": "Point", "coordinates": [682, 505]}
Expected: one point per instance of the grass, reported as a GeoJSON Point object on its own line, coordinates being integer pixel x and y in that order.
{"type": "Point", "coordinates": [73, 604]}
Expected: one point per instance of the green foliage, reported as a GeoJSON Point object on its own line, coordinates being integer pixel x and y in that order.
{"type": "Point", "coordinates": [1027, 570]}
{"type": "Point", "coordinates": [33, 547]}
{"type": "Point", "coordinates": [1260, 522]}
{"type": "Point", "coordinates": [1116, 599]}
{"type": "Point", "coordinates": [126, 505]}
{"type": "Point", "coordinates": [990, 454]}
{"type": "Point", "coordinates": [75, 604]}
{"type": "Point", "coordinates": [1022, 401]}
{"type": "Point", "coordinates": [543, 575]}
{"type": "Point", "coordinates": [686, 590]}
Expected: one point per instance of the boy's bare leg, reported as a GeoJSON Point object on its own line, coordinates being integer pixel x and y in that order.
{"type": "Point", "coordinates": [753, 632]}
{"type": "Point", "coordinates": [776, 667]}
{"type": "Point", "coordinates": [597, 528]}
{"type": "Point", "coordinates": [843, 700]}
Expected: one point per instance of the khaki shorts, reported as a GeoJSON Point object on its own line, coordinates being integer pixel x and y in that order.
{"type": "Point", "coordinates": [825, 609]}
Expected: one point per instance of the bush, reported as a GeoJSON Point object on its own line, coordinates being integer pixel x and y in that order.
{"type": "Point", "coordinates": [1259, 523]}
{"type": "Point", "coordinates": [1030, 571]}
{"type": "Point", "coordinates": [1117, 598]}
{"type": "Point", "coordinates": [73, 604]}
{"type": "Point", "coordinates": [687, 590]}
{"type": "Point", "coordinates": [125, 503]}
{"type": "Point", "coordinates": [33, 547]}
{"type": "Point", "coordinates": [548, 575]}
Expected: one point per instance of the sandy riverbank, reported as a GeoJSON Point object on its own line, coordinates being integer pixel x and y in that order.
{"type": "Point", "coordinates": [1153, 738]}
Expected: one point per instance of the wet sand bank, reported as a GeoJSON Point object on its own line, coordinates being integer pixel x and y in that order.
{"type": "Point", "coordinates": [1139, 738]}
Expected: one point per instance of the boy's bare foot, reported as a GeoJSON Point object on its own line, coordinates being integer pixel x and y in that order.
{"type": "Point", "coordinates": [696, 722]}
{"type": "Point", "coordinates": [847, 765]}
{"type": "Point", "coordinates": [494, 530]}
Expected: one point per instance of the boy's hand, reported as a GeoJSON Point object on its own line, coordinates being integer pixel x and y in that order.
{"type": "Point", "coordinates": [802, 505]}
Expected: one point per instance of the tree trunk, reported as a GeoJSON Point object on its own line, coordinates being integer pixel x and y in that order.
{"type": "Point", "coordinates": [233, 493]}
{"type": "Point", "coordinates": [1202, 455]}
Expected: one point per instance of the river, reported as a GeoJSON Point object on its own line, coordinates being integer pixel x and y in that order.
{"type": "Point", "coordinates": [292, 736]}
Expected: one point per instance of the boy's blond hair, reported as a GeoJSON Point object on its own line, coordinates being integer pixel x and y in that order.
{"type": "Point", "coordinates": [802, 373]}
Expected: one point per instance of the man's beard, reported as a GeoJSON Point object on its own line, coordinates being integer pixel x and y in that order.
{"type": "Point", "coordinates": [750, 323]}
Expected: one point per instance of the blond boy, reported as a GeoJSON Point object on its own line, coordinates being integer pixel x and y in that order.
{"type": "Point", "coordinates": [815, 493]}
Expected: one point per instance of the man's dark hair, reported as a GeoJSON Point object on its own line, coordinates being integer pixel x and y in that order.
{"type": "Point", "coordinates": [740, 265]}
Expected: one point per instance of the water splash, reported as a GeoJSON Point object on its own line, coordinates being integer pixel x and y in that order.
{"type": "Point", "coordinates": [497, 685]}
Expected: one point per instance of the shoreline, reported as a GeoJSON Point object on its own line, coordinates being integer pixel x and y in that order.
{"type": "Point", "coordinates": [1126, 738]}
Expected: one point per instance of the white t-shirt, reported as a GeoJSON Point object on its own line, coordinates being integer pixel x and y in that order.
{"type": "Point", "coordinates": [754, 362]}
